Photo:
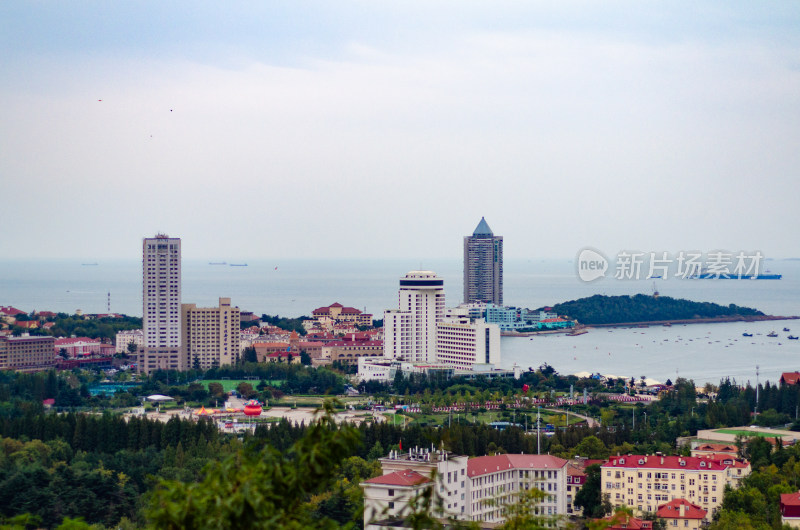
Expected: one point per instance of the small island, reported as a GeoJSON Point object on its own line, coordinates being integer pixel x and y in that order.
{"type": "Point", "coordinates": [601, 310]}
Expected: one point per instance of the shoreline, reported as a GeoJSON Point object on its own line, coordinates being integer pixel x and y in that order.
{"type": "Point", "coordinates": [646, 323]}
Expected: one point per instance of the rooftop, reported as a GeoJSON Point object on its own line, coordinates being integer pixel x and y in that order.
{"type": "Point", "coordinates": [400, 478]}
{"type": "Point", "coordinates": [482, 229]}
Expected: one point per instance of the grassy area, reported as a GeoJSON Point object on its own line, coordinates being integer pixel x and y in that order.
{"type": "Point", "coordinates": [558, 419]}
{"type": "Point", "coordinates": [230, 384]}
{"type": "Point", "coordinates": [745, 432]}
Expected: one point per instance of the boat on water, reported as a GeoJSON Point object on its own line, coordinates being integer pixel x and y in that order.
{"type": "Point", "coordinates": [238, 264]}
{"type": "Point", "coordinates": [747, 334]}
{"type": "Point", "coordinates": [576, 332]}
{"type": "Point", "coordinates": [772, 334]}
{"type": "Point", "coordinates": [706, 275]}
{"type": "Point", "coordinates": [786, 329]}
{"type": "Point", "coordinates": [791, 337]}
{"type": "Point", "coordinates": [217, 263]}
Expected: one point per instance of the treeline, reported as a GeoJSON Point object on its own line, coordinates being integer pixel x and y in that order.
{"type": "Point", "coordinates": [289, 324]}
{"type": "Point", "coordinates": [81, 326]}
{"type": "Point", "coordinates": [601, 309]}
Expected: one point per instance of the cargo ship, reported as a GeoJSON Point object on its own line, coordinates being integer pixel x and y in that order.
{"type": "Point", "coordinates": [705, 275]}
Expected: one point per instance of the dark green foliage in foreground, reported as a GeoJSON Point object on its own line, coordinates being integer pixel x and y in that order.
{"type": "Point", "coordinates": [600, 309]}
{"type": "Point", "coordinates": [263, 488]}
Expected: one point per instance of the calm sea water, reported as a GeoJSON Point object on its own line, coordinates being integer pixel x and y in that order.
{"type": "Point", "coordinates": [296, 287]}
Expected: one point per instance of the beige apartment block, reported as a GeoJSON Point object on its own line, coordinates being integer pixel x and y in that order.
{"type": "Point", "coordinates": [210, 335]}
{"type": "Point", "coordinates": [645, 482]}
{"type": "Point", "coordinates": [27, 354]}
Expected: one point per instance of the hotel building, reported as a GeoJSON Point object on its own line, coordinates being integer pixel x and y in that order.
{"type": "Point", "coordinates": [27, 354]}
{"type": "Point", "coordinates": [410, 331]}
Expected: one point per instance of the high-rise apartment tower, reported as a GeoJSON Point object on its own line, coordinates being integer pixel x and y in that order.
{"type": "Point", "coordinates": [483, 266]}
{"type": "Point", "coordinates": [161, 304]}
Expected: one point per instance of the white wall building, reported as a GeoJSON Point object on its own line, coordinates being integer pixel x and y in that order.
{"type": "Point", "coordinates": [410, 331]}
{"type": "Point", "coordinates": [127, 336]}
{"type": "Point", "coordinates": [474, 489]}
{"type": "Point", "coordinates": [161, 304]}
{"type": "Point", "coordinates": [464, 342]}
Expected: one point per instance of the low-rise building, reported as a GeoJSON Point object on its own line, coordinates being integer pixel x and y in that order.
{"type": "Point", "coordinates": [790, 509]}
{"type": "Point", "coordinates": [680, 513]}
{"type": "Point", "coordinates": [463, 342]}
{"type": "Point", "coordinates": [645, 482]}
{"type": "Point", "coordinates": [336, 313]}
{"type": "Point", "coordinates": [475, 489]}
{"type": "Point", "coordinates": [125, 337]}
{"type": "Point", "coordinates": [27, 354]}
{"type": "Point", "coordinates": [80, 347]}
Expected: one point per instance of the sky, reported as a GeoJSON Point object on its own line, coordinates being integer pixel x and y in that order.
{"type": "Point", "coordinates": [362, 129]}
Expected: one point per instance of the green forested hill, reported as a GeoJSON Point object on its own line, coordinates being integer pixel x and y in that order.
{"type": "Point", "coordinates": [600, 309]}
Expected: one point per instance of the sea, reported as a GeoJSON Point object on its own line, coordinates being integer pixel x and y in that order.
{"type": "Point", "coordinates": [701, 352]}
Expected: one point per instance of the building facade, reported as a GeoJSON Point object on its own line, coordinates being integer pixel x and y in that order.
{"type": "Point", "coordinates": [161, 304]}
{"type": "Point", "coordinates": [210, 335]}
{"type": "Point", "coordinates": [483, 266]}
{"type": "Point", "coordinates": [27, 354]}
{"type": "Point", "coordinates": [470, 489]}
{"type": "Point", "coordinates": [410, 331]}
{"type": "Point", "coordinates": [464, 342]}
{"type": "Point", "coordinates": [645, 482]}
{"type": "Point", "coordinates": [127, 336]}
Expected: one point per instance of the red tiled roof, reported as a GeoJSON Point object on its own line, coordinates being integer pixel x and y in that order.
{"type": "Point", "coordinates": [672, 462]}
{"type": "Point", "coordinates": [790, 499]}
{"type": "Point", "coordinates": [400, 478]}
{"type": "Point", "coordinates": [282, 354]}
{"type": "Point", "coordinates": [491, 464]}
{"type": "Point", "coordinates": [672, 510]}
{"type": "Point", "coordinates": [790, 378]}
{"type": "Point", "coordinates": [11, 311]}
{"type": "Point", "coordinates": [344, 343]}
{"type": "Point", "coordinates": [27, 324]}
{"type": "Point", "coordinates": [716, 447]}
{"type": "Point", "coordinates": [623, 520]}
{"type": "Point", "coordinates": [76, 340]}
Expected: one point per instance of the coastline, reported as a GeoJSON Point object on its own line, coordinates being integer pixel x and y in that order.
{"type": "Point", "coordinates": [734, 318]}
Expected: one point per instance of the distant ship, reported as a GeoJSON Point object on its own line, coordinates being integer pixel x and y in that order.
{"type": "Point", "coordinates": [772, 334]}
{"type": "Point", "coordinates": [89, 264]}
{"type": "Point", "coordinates": [747, 334]}
{"type": "Point", "coordinates": [705, 275]}
{"type": "Point", "coordinates": [217, 263]}
{"type": "Point", "coordinates": [238, 264]}
{"type": "Point", "coordinates": [792, 337]}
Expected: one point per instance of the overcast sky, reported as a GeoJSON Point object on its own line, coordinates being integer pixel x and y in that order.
{"type": "Point", "coordinates": [387, 129]}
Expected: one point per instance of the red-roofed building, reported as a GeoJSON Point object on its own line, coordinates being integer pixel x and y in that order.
{"type": "Point", "coordinates": [283, 357]}
{"type": "Point", "coordinates": [336, 313]}
{"type": "Point", "coordinates": [719, 450]}
{"type": "Point", "coordinates": [27, 324]}
{"type": "Point", "coordinates": [790, 378]}
{"type": "Point", "coordinates": [43, 315]}
{"type": "Point", "coordinates": [681, 513]}
{"type": "Point", "coordinates": [644, 482]}
{"type": "Point", "coordinates": [80, 347]}
{"type": "Point", "coordinates": [625, 521]}
{"type": "Point", "coordinates": [387, 496]}
{"type": "Point", "coordinates": [790, 509]}
{"type": "Point", "coordinates": [10, 311]}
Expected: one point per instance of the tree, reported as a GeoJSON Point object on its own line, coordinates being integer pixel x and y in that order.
{"type": "Point", "coordinates": [63, 353]}
{"type": "Point", "coordinates": [132, 347]}
{"type": "Point", "coordinates": [259, 488]}
{"type": "Point", "coordinates": [590, 496]}
{"type": "Point", "coordinates": [305, 358]}
{"type": "Point", "coordinates": [249, 355]}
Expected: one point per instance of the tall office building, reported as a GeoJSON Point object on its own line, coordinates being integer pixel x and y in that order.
{"type": "Point", "coordinates": [161, 304]}
{"type": "Point", "coordinates": [210, 335]}
{"type": "Point", "coordinates": [483, 266]}
{"type": "Point", "coordinates": [410, 331]}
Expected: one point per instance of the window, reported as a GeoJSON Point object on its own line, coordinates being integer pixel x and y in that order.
{"type": "Point", "coordinates": [391, 493]}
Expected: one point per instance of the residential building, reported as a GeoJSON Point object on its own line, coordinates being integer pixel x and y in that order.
{"type": "Point", "coordinates": [483, 266]}
{"type": "Point", "coordinates": [680, 513]}
{"type": "Point", "coordinates": [644, 482]}
{"type": "Point", "coordinates": [790, 509]}
{"type": "Point", "coordinates": [410, 331]}
{"type": "Point", "coordinates": [474, 489]}
{"type": "Point", "coordinates": [464, 342]}
{"type": "Point", "coordinates": [161, 304]}
{"type": "Point", "coordinates": [125, 337]}
{"type": "Point", "coordinates": [210, 335]}
{"type": "Point", "coordinates": [350, 351]}
{"type": "Point", "coordinates": [625, 521]}
{"type": "Point", "coordinates": [27, 354]}
{"type": "Point", "coordinates": [500, 479]}
{"type": "Point", "coordinates": [790, 378]}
